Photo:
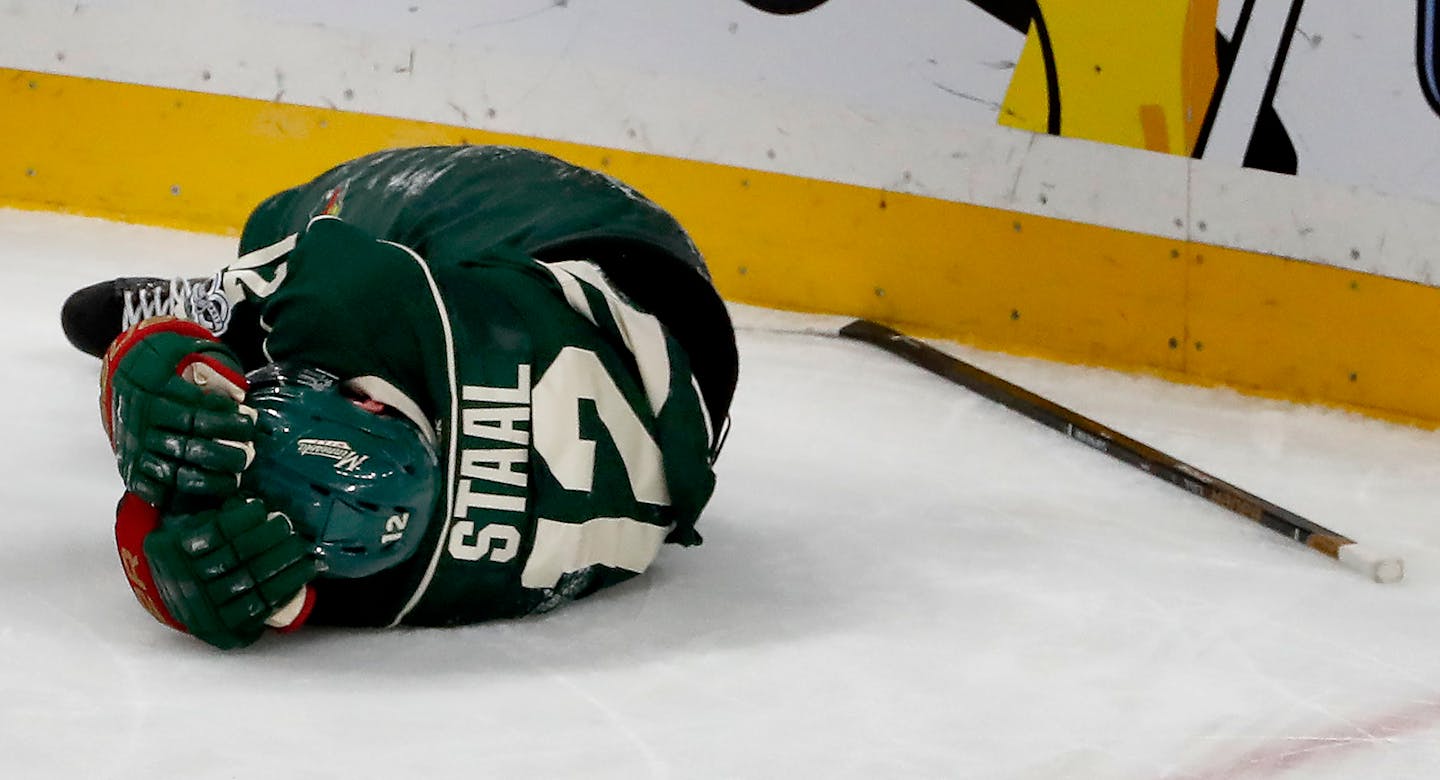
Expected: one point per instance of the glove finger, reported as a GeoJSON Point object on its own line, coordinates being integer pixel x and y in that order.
{"type": "Point", "coordinates": [237, 584]}
{"type": "Point", "coordinates": [231, 639]}
{"type": "Point", "coordinates": [149, 491]}
{"type": "Point", "coordinates": [216, 455]}
{"type": "Point", "coordinates": [205, 454]}
{"type": "Point", "coordinates": [187, 408]}
{"type": "Point", "coordinates": [200, 482]}
{"type": "Point", "coordinates": [160, 473]}
{"type": "Point", "coordinates": [235, 422]}
{"type": "Point", "coordinates": [177, 391]}
{"type": "Point", "coordinates": [282, 586]}
{"type": "Point", "coordinates": [270, 563]}
{"type": "Point", "coordinates": [239, 517]}
{"type": "Point", "coordinates": [213, 529]}
{"type": "Point", "coordinates": [225, 420]}
{"type": "Point", "coordinates": [197, 537]}
{"type": "Point", "coordinates": [216, 564]}
{"type": "Point", "coordinates": [273, 532]}
{"type": "Point", "coordinates": [168, 414]}
{"type": "Point", "coordinates": [163, 444]}
{"type": "Point", "coordinates": [244, 614]}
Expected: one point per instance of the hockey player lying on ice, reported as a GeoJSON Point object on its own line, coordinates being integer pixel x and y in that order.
{"type": "Point", "coordinates": [439, 386]}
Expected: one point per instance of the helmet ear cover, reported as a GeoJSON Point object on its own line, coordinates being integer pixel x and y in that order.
{"type": "Point", "coordinates": [358, 482]}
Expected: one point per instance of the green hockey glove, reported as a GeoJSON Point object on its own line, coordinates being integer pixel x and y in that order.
{"type": "Point", "coordinates": [170, 396]}
{"type": "Point", "coordinates": [223, 575]}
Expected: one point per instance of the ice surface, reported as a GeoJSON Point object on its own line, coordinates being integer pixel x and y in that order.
{"type": "Point", "coordinates": [899, 579]}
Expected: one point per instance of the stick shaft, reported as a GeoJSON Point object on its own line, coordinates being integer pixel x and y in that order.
{"type": "Point", "coordinates": [1101, 437]}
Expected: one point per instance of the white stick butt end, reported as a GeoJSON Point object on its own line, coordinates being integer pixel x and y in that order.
{"type": "Point", "coordinates": [1373, 564]}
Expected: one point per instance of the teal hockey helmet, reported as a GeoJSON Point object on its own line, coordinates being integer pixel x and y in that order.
{"type": "Point", "coordinates": [354, 477]}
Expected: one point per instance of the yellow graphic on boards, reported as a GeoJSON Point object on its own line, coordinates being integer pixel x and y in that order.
{"type": "Point", "coordinates": [1139, 73]}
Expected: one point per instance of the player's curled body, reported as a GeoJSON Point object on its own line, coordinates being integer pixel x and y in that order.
{"type": "Point", "coordinates": [543, 340]}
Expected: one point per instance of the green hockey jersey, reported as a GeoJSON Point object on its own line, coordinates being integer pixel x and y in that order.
{"type": "Point", "coordinates": [452, 204]}
{"type": "Point", "coordinates": [572, 426]}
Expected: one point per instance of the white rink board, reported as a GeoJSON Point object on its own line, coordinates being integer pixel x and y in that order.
{"type": "Point", "coordinates": [852, 92]}
{"type": "Point", "coordinates": [899, 579]}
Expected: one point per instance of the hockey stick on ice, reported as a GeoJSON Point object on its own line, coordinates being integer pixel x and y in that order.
{"type": "Point", "coordinates": [1377, 566]}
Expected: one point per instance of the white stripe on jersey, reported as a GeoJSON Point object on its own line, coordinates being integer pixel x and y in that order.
{"type": "Point", "coordinates": [574, 293]}
{"type": "Point", "coordinates": [704, 409]}
{"type": "Point", "coordinates": [641, 332]}
{"type": "Point", "coordinates": [258, 257]}
{"type": "Point", "coordinates": [451, 425]}
{"type": "Point", "coordinates": [239, 277]}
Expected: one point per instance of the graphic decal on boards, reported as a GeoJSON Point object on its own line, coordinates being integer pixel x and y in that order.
{"type": "Point", "coordinates": [1159, 75]}
{"type": "Point", "coordinates": [1154, 75]}
{"type": "Point", "coordinates": [786, 7]}
{"type": "Point", "coordinates": [1427, 57]}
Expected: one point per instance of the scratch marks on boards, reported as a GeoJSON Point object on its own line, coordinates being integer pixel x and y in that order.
{"type": "Point", "coordinates": [546, 7]}
{"type": "Point", "coordinates": [965, 96]}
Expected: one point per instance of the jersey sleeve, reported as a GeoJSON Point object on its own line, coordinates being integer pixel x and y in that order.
{"type": "Point", "coordinates": [340, 300]}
